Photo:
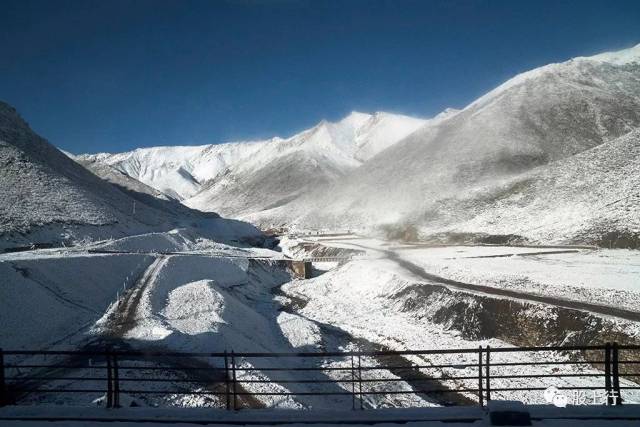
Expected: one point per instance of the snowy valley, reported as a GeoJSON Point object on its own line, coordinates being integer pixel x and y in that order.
{"type": "Point", "coordinates": [513, 222]}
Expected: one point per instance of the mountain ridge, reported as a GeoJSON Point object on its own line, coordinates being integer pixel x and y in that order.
{"type": "Point", "coordinates": [325, 177]}
{"type": "Point", "coordinates": [344, 144]}
{"type": "Point", "coordinates": [49, 198]}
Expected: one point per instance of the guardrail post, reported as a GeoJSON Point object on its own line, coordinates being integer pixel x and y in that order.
{"type": "Point", "coordinates": [109, 381]}
{"type": "Point", "coordinates": [615, 372]}
{"type": "Point", "coordinates": [116, 381]}
{"type": "Point", "coordinates": [607, 373]}
{"type": "Point", "coordinates": [226, 380]}
{"type": "Point", "coordinates": [3, 385]}
{"type": "Point", "coordinates": [488, 373]}
{"type": "Point", "coordinates": [353, 384]}
{"type": "Point", "coordinates": [360, 380]}
{"type": "Point", "coordinates": [233, 372]}
{"type": "Point", "coordinates": [480, 391]}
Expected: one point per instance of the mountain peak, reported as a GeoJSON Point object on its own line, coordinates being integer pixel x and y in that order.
{"type": "Point", "coordinates": [620, 57]}
{"type": "Point", "coordinates": [355, 119]}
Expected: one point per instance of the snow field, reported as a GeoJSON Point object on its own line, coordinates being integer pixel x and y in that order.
{"type": "Point", "coordinates": [54, 299]}
{"type": "Point", "coordinates": [359, 298]}
{"type": "Point", "coordinates": [198, 303]}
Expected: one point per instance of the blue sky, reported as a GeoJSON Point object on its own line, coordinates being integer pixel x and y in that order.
{"type": "Point", "coordinates": [115, 75]}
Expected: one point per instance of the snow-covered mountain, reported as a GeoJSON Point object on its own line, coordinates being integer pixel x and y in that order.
{"type": "Point", "coordinates": [49, 198]}
{"type": "Point", "coordinates": [243, 177]}
{"type": "Point", "coordinates": [590, 197]}
{"type": "Point", "coordinates": [533, 122]}
{"type": "Point", "coordinates": [467, 172]}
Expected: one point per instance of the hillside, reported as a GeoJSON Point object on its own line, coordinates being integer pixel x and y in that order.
{"type": "Point", "coordinates": [590, 197]}
{"type": "Point", "coordinates": [49, 198]}
{"type": "Point", "coordinates": [542, 118]}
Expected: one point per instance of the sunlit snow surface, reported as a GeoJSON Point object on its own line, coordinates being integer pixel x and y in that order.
{"type": "Point", "coordinates": [359, 298]}
{"type": "Point", "coordinates": [210, 297]}
{"type": "Point", "coordinates": [184, 171]}
{"type": "Point", "coordinates": [604, 276]}
{"type": "Point", "coordinates": [550, 155]}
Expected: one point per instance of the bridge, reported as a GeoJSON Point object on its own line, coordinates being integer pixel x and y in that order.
{"type": "Point", "coordinates": [341, 259]}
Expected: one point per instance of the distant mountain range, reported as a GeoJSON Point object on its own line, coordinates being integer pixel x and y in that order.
{"type": "Point", "coordinates": [551, 155]}
{"type": "Point", "coordinates": [242, 178]}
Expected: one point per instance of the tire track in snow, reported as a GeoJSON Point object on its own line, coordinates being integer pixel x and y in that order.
{"type": "Point", "coordinates": [131, 300]}
{"type": "Point", "coordinates": [123, 318]}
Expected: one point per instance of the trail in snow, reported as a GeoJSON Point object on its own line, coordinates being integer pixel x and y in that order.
{"type": "Point", "coordinates": [566, 251]}
{"type": "Point", "coordinates": [111, 332]}
{"type": "Point", "coordinates": [126, 316]}
{"type": "Point", "coordinates": [573, 305]}
{"type": "Point", "coordinates": [114, 328]}
{"type": "Point", "coordinates": [123, 318]}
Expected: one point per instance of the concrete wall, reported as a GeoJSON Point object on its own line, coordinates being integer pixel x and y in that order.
{"type": "Point", "coordinates": [301, 269]}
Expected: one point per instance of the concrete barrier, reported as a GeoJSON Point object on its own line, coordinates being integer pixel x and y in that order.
{"type": "Point", "coordinates": [300, 269]}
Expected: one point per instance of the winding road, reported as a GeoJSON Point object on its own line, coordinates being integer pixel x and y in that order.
{"type": "Point", "coordinates": [420, 272]}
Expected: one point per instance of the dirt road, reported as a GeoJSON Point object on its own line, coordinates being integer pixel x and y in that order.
{"type": "Point", "coordinates": [420, 272]}
{"type": "Point", "coordinates": [123, 318]}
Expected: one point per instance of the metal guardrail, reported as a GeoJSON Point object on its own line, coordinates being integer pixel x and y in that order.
{"type": "Point", "coordinates": [328, 259]}
{"type": "Point", "coordinates": [237, 380]}
{"type": "Point", "coordinates": [265, 258]}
